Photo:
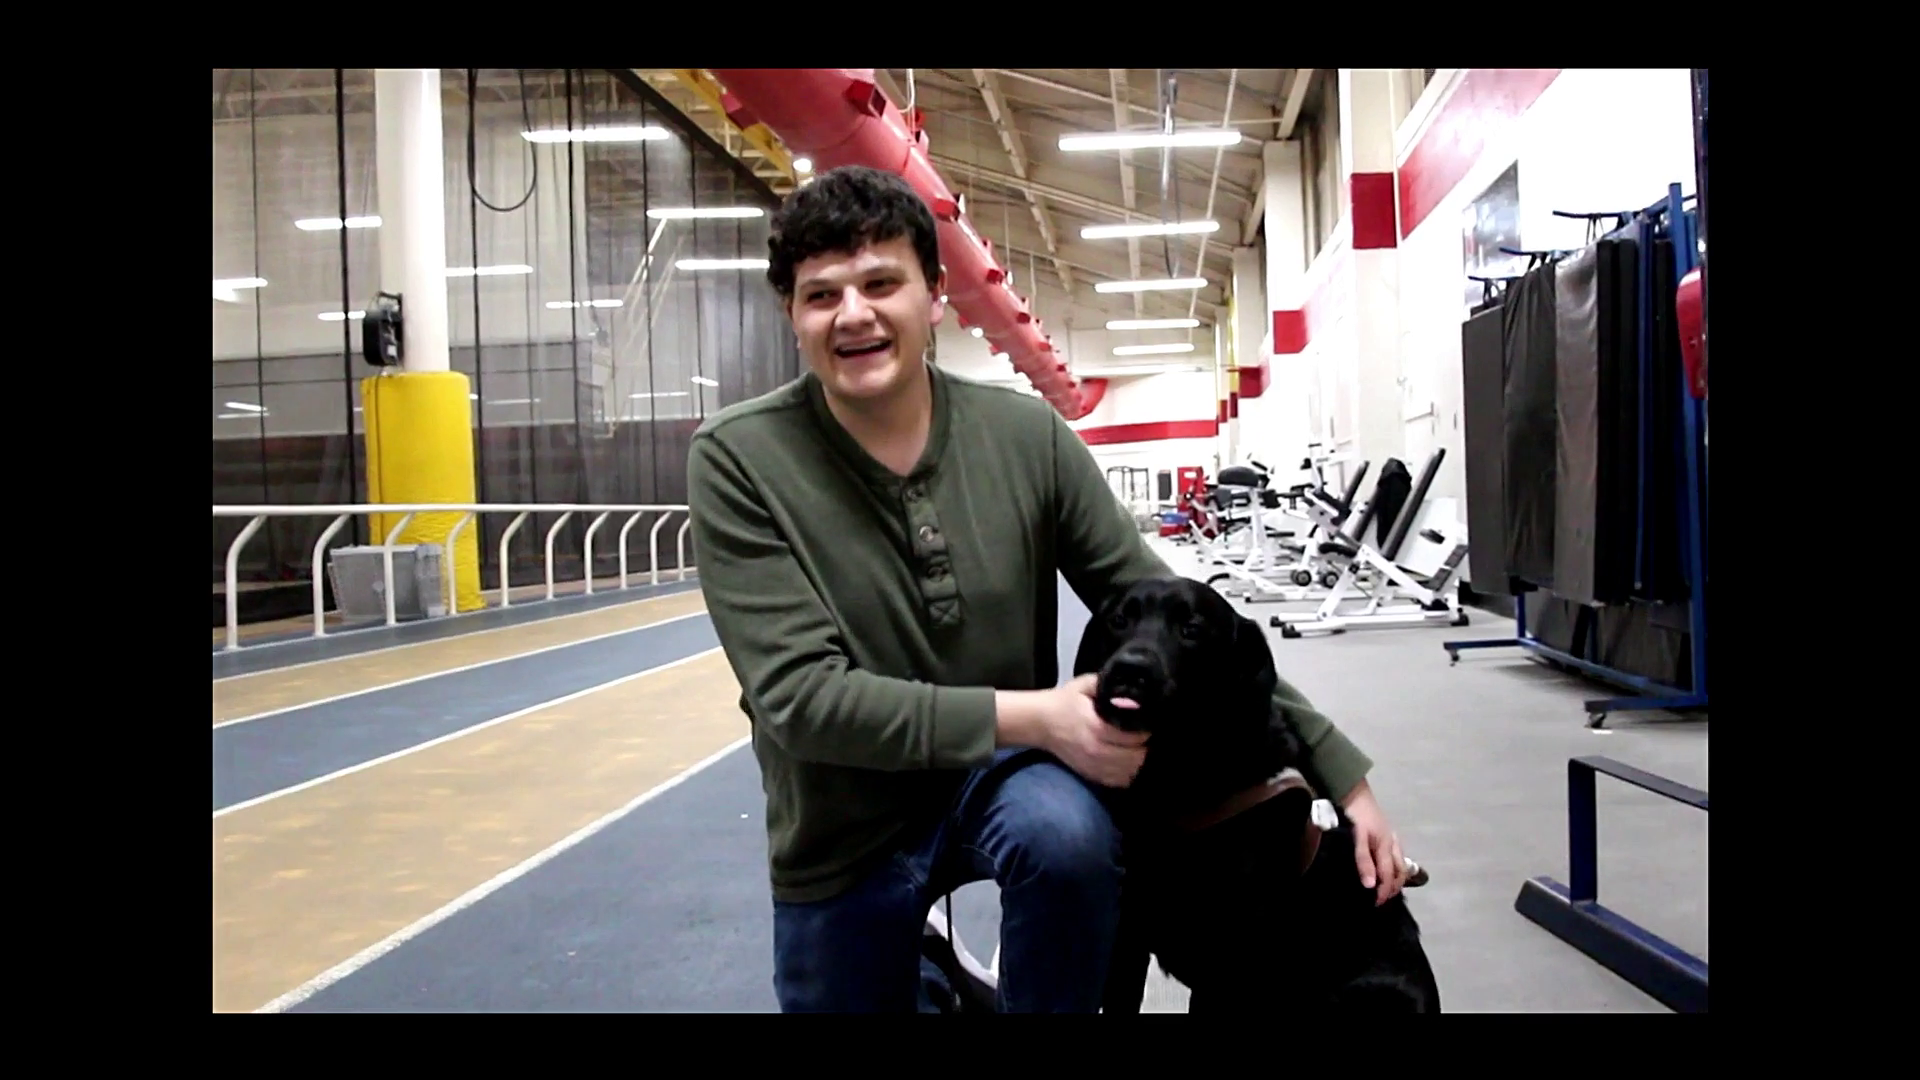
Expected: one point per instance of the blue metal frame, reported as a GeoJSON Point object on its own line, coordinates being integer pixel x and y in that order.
{"type": "Point", "coordinates": [1671, 215]}
{"type": "Point", "coordinates": [1572, 913]}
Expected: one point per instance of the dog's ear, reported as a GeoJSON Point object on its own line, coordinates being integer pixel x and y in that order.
{"type": "Point", "coordinates": [1253, 656]}
{"type": "Point", "coordinates": [1096, 641]}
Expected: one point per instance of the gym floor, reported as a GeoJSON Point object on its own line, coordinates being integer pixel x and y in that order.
{"type": "Point", "coordinates": [556, 810]}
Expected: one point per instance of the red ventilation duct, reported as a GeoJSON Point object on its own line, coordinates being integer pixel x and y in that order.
{"type": "Point", "coordinates": [839, 116]}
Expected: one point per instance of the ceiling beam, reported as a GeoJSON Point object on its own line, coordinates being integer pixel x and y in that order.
{"type": "Point", "coordinates": [990, 94]}
{"type": "Point", "coordinates": [1124, 108]}
{"type": "Point", "coordinates": [1200, 260]}
{"type": "Point", "coordinates": [758, 136]}
{"type": "Point", "coordinates": [1057, 194]}
{"type": "Point", "coordinates": [1295, 99]}
{"type": "Point", "coordinates": [1117, 82]}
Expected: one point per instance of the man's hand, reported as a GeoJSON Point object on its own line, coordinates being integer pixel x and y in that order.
{"type": "Point", "coordinates": [1377, 850]}
{"type": "Point", "coordinates": [1088, 745]}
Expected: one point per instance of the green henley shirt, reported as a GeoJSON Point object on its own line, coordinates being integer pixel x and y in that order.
{"type": "Point", "coordinates": [870, 617]}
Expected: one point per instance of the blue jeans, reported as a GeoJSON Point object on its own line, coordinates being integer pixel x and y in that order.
{"type": "Point", "coordinates": [1028, 824]}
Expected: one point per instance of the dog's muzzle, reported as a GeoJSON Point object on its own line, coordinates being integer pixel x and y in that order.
{"type": "Point", "coordinates": [1136, 676]}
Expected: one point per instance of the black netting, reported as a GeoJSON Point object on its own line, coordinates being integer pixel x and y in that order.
{"type": "Point", "coordinates": [593, 351]}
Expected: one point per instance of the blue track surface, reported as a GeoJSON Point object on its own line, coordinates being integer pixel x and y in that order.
{"type": "Point", "coordinates": [665, 910]}
{"type": "Point", "coordinates": [261, 756]}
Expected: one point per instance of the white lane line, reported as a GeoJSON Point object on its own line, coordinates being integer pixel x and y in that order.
{"type": "Point", "coordinates": [416, 644]}
{"type": "Point", "coordinates": [461, 734]}
{"type": "Point", "coordinates": [480, 892]}
{"type": "Point", "coordinates": [448, 671]}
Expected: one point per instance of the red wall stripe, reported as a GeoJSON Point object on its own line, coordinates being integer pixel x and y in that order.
{"type": "Point", "coordinates": [1289, 332]}
{"type": "Point", "coordinates": [1373, 210]}
{"type": "Point", "coordinates": [1253, 380]}
{"type": "Point", "coordinates": [1485, 100]}
{"type": "Point", "coordinates": [1447, 150]}
{"type": "Point", "coordinates": [1157, 431]}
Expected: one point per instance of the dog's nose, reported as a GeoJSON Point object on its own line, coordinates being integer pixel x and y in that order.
{"type": "Point", "coordinates": [1136, 668]}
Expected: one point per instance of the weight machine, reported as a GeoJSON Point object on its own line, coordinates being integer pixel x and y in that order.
{"type": "Point", "coordinates": [1432, 601]}
{"type": "Point", "coordinates": [1255, 582]}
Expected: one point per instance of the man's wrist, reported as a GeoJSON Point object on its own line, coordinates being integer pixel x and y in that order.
{"type": "Point", "coordinates": [1361, 790]}
{"type": "Point", "coordinates": [1021, 718]}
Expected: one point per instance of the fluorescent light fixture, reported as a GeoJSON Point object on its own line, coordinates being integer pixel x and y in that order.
{"type": "Point", "coordinates": [976, 331]}
{"type": "Point", "coordinates": [338, 316]}
{"type": "Point", "coordinates": [227, 289]}
{"type": "Point", "coordinates": [564, 305]}
{"type": "Point", "coordinates": [489, 271]}
{"type": "Point", "coordinates": [664, 393]}
{"type": "Point", "coordinates": [244, 407]}
{"type": "Point", "coordinates": [1126, 371]}
{"type": "Point", "coordinates": [721, 264]}
{"type": "Point", "coordinates": [241, 415]}
{"type": "Point", "coordinates": [1149, 286]}
{"type": "Point", "coordinates": [473, 397]}
{"type": "Point", "coordinates": [1152, 350]}
{"type": "Point", "coordinates": [332, 224]}
{"type": "Point", "coordinates": [685, 213]}
{"type": "Point", "coordinates": [515, 401]}
{"type": "Point", "coordinates": [1149, 140]}
{"type": "Point", "coordinates": [802, 165]}
{"type": "Point", "coordinates": [1152, 324]}
{"type": "Point", "coordinates": [596, 135]}
{"type": "Point", "coordinates": [1152, 228]}
{"type": "Point", "coordinates": [704, 381]}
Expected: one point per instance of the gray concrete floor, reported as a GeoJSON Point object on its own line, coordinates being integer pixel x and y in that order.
{"type": "Point", "coordinates": [668, 910]}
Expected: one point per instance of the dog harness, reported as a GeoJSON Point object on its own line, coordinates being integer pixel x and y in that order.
{"type": "Point", "coordinates": [1319, 819]}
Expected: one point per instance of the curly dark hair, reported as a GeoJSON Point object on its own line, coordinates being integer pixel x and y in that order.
{"type": "Point", "coordinates": [843, 210]}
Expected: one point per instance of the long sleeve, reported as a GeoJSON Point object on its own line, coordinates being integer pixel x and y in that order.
{"type": "Point", "coordinates": [1102, 551]}
{"type": "Point", "coordinates": [786, 649]}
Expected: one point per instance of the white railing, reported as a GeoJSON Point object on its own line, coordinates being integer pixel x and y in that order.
{"type": "Point", "coordinates": [343, 513]}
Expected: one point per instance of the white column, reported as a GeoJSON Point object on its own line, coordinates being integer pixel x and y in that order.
{"type": "Point", "coordinates": [1285, 225]}
{"type": "Point", "coordinates": [1224, 363]}
{"type": "Point", "coordinates": [1252, 321]}
{"type": "Point", "coordinates": [1291, 376]}
{"type": "Point", "coordinates": [413, 214]}
{"type": "Point", "coordinates": [1367, 153]}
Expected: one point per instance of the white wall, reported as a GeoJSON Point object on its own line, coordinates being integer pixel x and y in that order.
{"type": "Point", "coordinates": [647, 341]}
{"type": "Point", "coordinates": [1167, 454]}
{"type": "Point", "coordinates": [1594, 140]}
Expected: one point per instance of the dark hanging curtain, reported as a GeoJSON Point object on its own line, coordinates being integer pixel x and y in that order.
{"type": "Point", "coordinates": [592, 356]}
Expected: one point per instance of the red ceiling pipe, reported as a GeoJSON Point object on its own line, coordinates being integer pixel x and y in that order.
{"type": "Point", "coordinates": [839, 116]}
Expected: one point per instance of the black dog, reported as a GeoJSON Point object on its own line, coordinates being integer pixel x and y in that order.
{"type": "Point", "coordinates": [1229, 883]}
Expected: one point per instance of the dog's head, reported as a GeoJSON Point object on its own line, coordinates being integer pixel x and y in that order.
{"type": "Point", "coordinates": [1173, 650]}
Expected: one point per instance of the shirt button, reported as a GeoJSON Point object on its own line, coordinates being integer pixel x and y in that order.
{"type": "Point", "coordinates": [927, 534]}
{"type": "Point", "coordinates": [914, 494]}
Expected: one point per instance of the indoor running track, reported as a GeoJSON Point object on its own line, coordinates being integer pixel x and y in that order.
{"type": "Point", "coordinates": [558, 815]}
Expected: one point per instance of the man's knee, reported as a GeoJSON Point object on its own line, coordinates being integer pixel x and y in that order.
{"type": "Point", "coordinates": [1055, 828]}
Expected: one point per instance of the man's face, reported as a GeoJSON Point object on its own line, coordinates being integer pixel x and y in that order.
{"type": "Point", "coordinates": [864, 319]}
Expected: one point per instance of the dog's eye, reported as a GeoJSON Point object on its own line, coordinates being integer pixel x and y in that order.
{"type": "Point", "coordinates": [1117, 621]}
{"type": "Point", "coordinates": [1193, 629]}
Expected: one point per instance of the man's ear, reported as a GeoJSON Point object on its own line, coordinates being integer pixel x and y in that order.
{"type": "Point", "coordinates": [1253, 655]}
{"type": "Point", "coordinates": [939, 287]}
{"type": "Point", "coordinates": [1096, 641]}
